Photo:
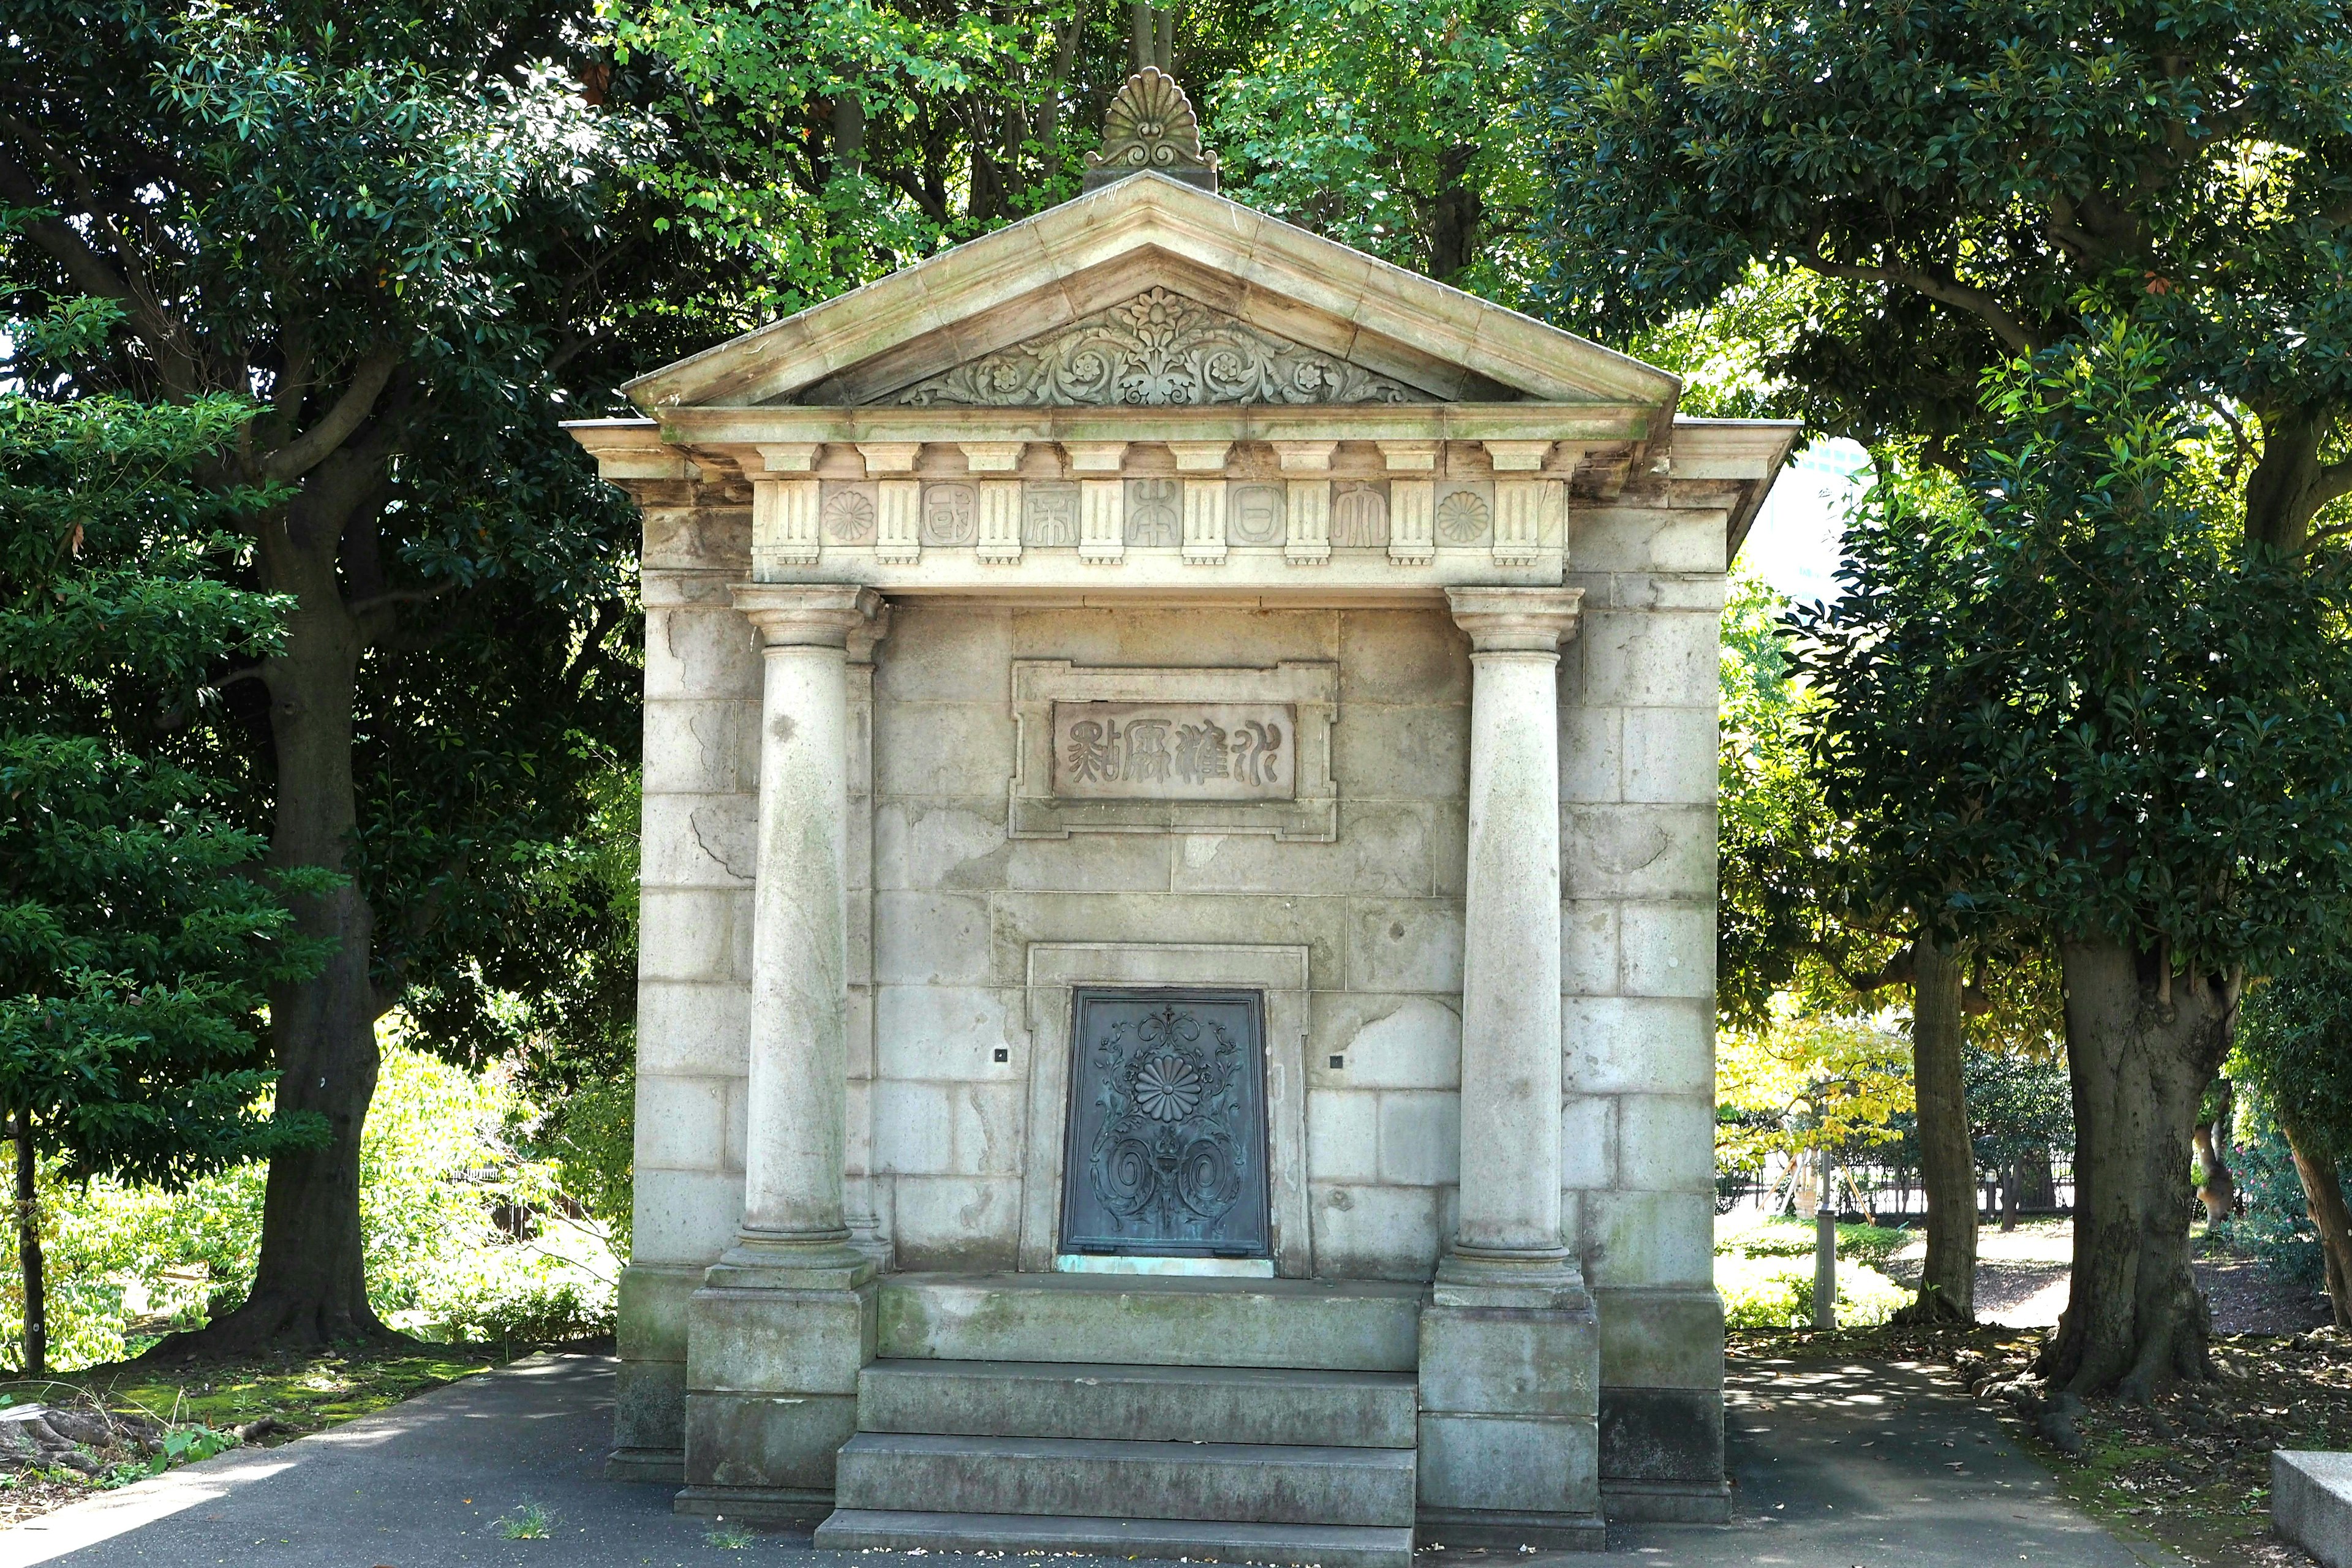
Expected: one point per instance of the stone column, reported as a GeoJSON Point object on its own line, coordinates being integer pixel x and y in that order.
{"type": "Point", "coordinates": [1510, 1224]}
{"type": "Point", "coordinates": [1510, 1349]}
{"type": "Point", "coordinates": [785, 1319]}
{"type": "Point", "coordinates": [792, 1211]}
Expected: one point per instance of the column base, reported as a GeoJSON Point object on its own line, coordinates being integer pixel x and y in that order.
{"type": "Point", "coordinates": [1667, 1502]}
{"type": "Point", "coordinates": [772, 1377]}
{"type": "Point", "coordinates": [792, 1263]}
{"type": "Point", "coordinates": [1509, 1428]}
{"type": "Point", "coordinates": [772, 1506]}
{"type": "Point", "coordinates": [659, 1467]}
{"type": "Point", "coordinates": [1548, 1280]}
{"type": "Point", "coordinates": [1502, 1529]}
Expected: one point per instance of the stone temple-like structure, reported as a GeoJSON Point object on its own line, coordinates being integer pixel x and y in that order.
{"type": "Point", "coordinates": [1177, 1000]}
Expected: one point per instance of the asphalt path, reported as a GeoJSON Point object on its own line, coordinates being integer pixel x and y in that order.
{"type": "Point", "coordinates": [1835, 1466]}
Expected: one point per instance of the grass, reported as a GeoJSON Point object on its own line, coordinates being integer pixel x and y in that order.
{"type": "Point", "coordinates": [528, 1522]}
{"type": "Point", "coordinates": [733, 1537]}
{"type": "Point", "coordinates": [301, 1392]}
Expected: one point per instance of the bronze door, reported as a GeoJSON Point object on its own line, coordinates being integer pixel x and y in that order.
{"type": "Point", "coordinates": [1167, 1146]}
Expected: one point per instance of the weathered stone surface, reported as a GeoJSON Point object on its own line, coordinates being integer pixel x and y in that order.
{"type": "Point", "coordinates": [1508, 1362]}
{"type": "Point", "coordinates": [1164, 1322]}
{"type": "Point", "coordinates": [1365, 1231]}
{"type": "Point", "coordinates": [1139, 1403]}
{"type": "Point", "coordinates": [651, 1310]}
{"type": "Point", "coordinates": [778, 1341]}
{"type": "Point", "coordinates": [1249, 1482]}
{"type": "Point", "coordinates": [1670, 1338]}
{"type": "Point", "coordinates": [766, 1440]}
{"type": "Point", "coordinates": [1649, 1238]}
{"type": "Point", "coordinates": [2311, 1502]}
{"type": "Point", "coordinates": [1519, 1465]}
{"type": "Point", "coordinates": [649, 1410]}
{"type": "Point", "coordinates": [1308, 1545]}
{"type": "Point", "coordinates": [684, 1216]}
{"type": "Point", "coordinates": [1662, 1434]}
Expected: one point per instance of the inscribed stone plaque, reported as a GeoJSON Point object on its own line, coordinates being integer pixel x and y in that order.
{"type": "Point", "coordinates": [1166, 1151]}
{"type": "Point", "coordinates": [1175, 751]}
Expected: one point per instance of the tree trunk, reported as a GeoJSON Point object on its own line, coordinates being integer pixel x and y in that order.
{"type": "Point", "coordinates": [1948, 1167]}
{"type": "Point", "coordinates": [28, 1249]}
{"type": "Point", "coordinates": [2037, 1189]}
{"type": "Point", "coordinates": [848, 134]}
{"type": "Point", "coordinates": [2217, 1186]}
{"type": "Point", "coordinates": [2287, 488]}
{"type": "Point", "coordinates": [2009, 1184]}
{"type": "Point", "coordinates": [2323, 1198]}
{"type": "Point", "coordinates": [1456, 214]}
{"type": "Point", "coordinates": [310, 1285]}
{"type": "Point", "coordinates": [2141, 1045]}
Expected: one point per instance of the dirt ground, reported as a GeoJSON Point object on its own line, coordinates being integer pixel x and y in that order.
{"type": "Point", "coordinates": [2021, 1282]}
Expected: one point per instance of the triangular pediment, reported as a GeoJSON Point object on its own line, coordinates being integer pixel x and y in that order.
{"type": "Point", "coordinates": [1157, 348]}
{"type": "Point", "coordinates": [1057, 311]}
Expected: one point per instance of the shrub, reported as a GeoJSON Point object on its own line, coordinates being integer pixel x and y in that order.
{"type": "Point", "coordinates": [1778, 1293]}
{"type": "Point", "coordinates": [2276, 1226]}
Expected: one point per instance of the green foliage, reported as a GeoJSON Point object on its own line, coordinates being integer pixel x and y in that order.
{"type": "Point", "coordinates": [1787, 921]}
{"type": "Point", "coordinates": [138, 934]}
{"type": "Point", "coordinates": [441, 1161]}
{"type": "Point", "coordinates": [1870, 1246]}
{"type": "Point", "coordinates": [2021, 1106]}
{"type": "Point", "coordinates": [1808, 1082]}
{"type": "Point", "coordinates": [1388, 126]}
{"type": "Point", "coordinates": [2277, 1225]}
{"type": "Point", "coordinates": [529, 1522]}
{"type": "Point", "coordinates": [1969, 181]}
{"type": "Point", "coordinates": [2294, 1049]}
{"type": "Point", "coordinates": [2065, 698]}
{"type": "Point", "coordinates": [592, 1140]}
{"type": "Point", "coordinates": [1764, 1293]}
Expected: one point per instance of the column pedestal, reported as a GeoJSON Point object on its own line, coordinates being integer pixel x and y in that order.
{"type": "Point", "coordinates": [785, 1319]}
{"type": "Point", "coordinates": [1510, 1347]}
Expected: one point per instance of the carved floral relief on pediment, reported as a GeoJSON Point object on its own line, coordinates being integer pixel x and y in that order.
{"type": "Point", "coordinates": [1157, 350]}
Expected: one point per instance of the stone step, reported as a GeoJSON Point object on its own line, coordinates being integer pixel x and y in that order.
{"type": "Point", "coordinates": [1201, 1541]}
{"type": "Point", "coordinates": [1143, 1321]}
{"type": "Point", "coordinates": [1139, 1404]}
{"type": "Point", "coordinates": [1091, 1479]}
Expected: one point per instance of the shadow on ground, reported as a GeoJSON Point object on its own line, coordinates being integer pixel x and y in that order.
{"type": "Point", "coordinates": [1837, 1464]}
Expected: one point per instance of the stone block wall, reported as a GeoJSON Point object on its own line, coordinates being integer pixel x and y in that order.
{"type": "Point", "coordinates": [944, 906]}
{"type": "Point", "coordinates": [958, 904]}
{"type": "Point", "coordinates": [1638, 714]}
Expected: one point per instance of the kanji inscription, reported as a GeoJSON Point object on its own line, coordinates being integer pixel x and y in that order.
{"type": "Point", "coordinates": [1140, 751]}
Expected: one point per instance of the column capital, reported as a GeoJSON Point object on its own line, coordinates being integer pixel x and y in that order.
{"type": "Point", "coordinates": [805, 615]}
{"type": "Point", "coordinates": [1515, 620]}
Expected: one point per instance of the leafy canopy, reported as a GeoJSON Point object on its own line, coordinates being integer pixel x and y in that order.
{"type": "Point", "coordinates": [2067, 697]}
{"type": "Point", "coordinates": [1977, 179]}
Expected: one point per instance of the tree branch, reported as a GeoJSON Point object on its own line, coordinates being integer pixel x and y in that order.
{"type": "Point", "coordinates": [1946, 291]}
{"type": "Point", "coordinates": [307, 450]}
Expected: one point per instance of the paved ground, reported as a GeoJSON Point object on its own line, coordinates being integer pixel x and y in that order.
{"type": "Point", "coordinates": [1837, 1466]}
{"type": "Point", "coordinates": [1868, 1465]}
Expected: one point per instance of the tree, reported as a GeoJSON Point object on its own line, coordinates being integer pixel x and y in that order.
{"type": "Point", "coordinates": [139, 933]}
{"type": "Point", "coordinates": [1977, 182]}
{"type": "Point", "coordinates": [1386, 124]}
{"type": "Point", "coordinates": [1802, 914]}
{"type": "Point", "coordinates": [1968, 184]}
{"type": "Point", "coordinates": [387, 224]}
{"type": "Point", "coordinates": [2075, 700]}
{"type": "Point", "coordinates": [2294, 1047]}
{"type": "Point", "coordinates": [2023, 1108]}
